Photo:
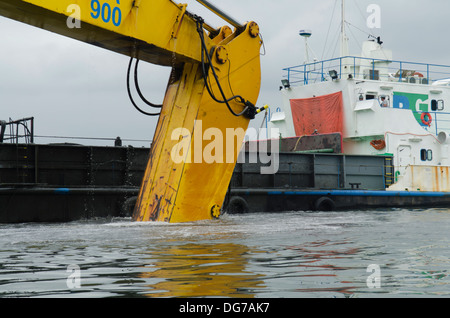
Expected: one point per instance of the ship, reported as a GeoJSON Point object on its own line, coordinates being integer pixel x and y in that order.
{"type": "Point", "coordinates": [380, 106]}
{"type": "Point", "coordinates": [391, 128]}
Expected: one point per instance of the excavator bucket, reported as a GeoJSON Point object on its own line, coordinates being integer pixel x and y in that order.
{"type": "Point", "coordinates": [197, 139]}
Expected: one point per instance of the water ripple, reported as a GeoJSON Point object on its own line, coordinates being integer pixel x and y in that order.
{"type": "Point", "coordinates": [291, 254]}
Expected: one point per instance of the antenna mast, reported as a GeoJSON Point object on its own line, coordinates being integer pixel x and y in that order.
{"type": "Point", "coordinates": [306, 34]}
{"type": "Point", "coordinates": [344, 39]}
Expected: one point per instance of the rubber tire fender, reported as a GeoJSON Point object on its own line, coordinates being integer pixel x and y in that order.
{"type": "Point", "coordinates": [324, 204]}
{"type": "Point", "coordinates": [128, 206]}
{"type": "Point", "coordinates": [237, 204]}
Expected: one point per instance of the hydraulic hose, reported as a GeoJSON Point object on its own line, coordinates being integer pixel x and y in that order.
{"type": "Point", "coordinates": [249, 109]}
{"type": "Point", "coordinates": [129, 92]}
{"type": "Point", "coordinates": [139, 90]}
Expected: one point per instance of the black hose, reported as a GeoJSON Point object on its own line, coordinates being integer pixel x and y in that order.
{"type": "Point", "coordinates": [248, 105]}
{"type": "Point", "coordinates": [129, 93]}
{"type": "Point", "coordinates": [139, 90]}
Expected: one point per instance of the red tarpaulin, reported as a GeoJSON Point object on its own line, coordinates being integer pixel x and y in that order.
{"type": "Point", "coordinates": [321, 113]}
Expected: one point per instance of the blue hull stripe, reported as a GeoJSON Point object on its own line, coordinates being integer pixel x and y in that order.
{"type": "Point", "coordinates": [366, 193]}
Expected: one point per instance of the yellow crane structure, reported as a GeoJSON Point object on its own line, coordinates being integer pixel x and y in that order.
{"type": "Point", "coordinates": [211, 93]}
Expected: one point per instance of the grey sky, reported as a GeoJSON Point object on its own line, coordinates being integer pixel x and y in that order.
{"type": "Point", "coordinates": [75, 89]}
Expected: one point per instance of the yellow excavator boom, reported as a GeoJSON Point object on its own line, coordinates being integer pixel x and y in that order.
{"type": "Point", "coordinates": [210, 96]}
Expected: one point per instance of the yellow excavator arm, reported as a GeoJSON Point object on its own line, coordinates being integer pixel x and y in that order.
{"type": "Point", "coordinates": [210, 96]}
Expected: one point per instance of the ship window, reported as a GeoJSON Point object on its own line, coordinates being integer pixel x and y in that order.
{"type": "Point", "coordinates": [423, 154]}
{"type": "Point", "coordinates": [370, 96]}
{"type": "Point", "coordinates": [437, 104]}
{"type": "Point", "coordinates": [426, 154]}
{"type": "Point", "coordinates": [384, 101]}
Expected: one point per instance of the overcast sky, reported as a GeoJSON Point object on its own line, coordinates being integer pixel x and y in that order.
{"type": "Point", "coordinates": [75, 89]}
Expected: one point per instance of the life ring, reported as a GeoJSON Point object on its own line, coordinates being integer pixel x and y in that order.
{"type": "Point", "coordinates": [426, 119]}
{"type": "Point", "coordinates": [324, 204]}
{"type": "Point", "coordinates": [418, 74]}
{"type": "Point", "coordinates": [378, 144]}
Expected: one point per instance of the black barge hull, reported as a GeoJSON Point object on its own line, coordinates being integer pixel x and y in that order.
{"type": "Point", "coordinates": [67, 182]}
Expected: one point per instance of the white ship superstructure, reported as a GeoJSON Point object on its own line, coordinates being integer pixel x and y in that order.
{"type": "Point", "coordinates": [380, 106]}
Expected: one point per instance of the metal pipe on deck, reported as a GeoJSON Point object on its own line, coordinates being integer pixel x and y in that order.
{"type": "Point", "coordinates": [2, 130]}
{"type": "Point", "coordinates": [220, 13]}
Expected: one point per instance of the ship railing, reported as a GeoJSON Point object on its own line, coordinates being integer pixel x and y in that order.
{"type": "Point", "coordinates": [17, 130]}
{"type": "Point", "coordinates": [368, 69]}
{"type": "Point", "coordinates": [21, 131]}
